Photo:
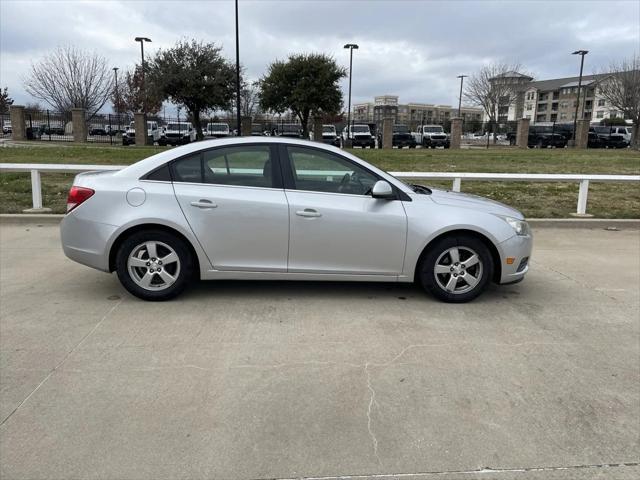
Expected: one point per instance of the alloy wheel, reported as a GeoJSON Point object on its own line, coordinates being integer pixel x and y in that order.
{"type": "Point", "coordinates": [458, 270]}
{"type": "Point", "coordinates": [153, 265]}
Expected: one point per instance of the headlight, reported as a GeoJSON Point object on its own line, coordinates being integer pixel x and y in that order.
{"type": "Point", "coordinates": [520, 226]}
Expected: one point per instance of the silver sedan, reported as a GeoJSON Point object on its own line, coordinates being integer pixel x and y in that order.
{"type": "Point", "coordinates": [284, 209]}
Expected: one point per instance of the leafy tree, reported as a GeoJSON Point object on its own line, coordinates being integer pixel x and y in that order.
{"type": "Point", "coordinates": [71, 78]}
{"type": "Point", "coordinates": [621, 89]}
{"type": "Point", "coordinates": [5, 101]}
{"type": "Point", "coordinates": [193, 74]}
{"type": "Point", "coordinates": [130, 99]}
{"type": "Point", "coordinates": [305, 84]}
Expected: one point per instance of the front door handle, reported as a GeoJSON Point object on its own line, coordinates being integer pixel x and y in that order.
{"type": "Point", "coordinates": [308, 212]}
{"type": "Point", "coordinates": [204, 204]}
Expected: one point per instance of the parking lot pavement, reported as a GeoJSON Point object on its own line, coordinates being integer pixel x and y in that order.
{"type": "Point", "coordinates": [293, 380]}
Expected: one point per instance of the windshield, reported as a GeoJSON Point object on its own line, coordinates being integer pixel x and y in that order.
{"type": "Point", "coordinates": [433, 129]}
{"type": "Point", "coordinates": [602, 129]}
{"type": "Point", "coordinates": [360, 129]}
{"type": "Point", "coordinates": [401, 129]}
{"type": "Point", "coordinates": [218, 127]}
{"type": "Point", "coordinates": [178, 126]}
{"type": "Point", "coordinates": [329, 129]}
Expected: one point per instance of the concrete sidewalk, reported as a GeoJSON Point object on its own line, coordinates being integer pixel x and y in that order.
{"type": "Point", "coordinates": [539, 380]}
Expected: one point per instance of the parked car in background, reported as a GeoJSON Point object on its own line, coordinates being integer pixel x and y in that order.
{"type": "Point", "coordinates": [52, 130]}
{"type": "Point", "coordinates": [153, 133]}
{"type": "Point", "coordinates": [177, 133]}
{"type": "Point", "coordinates": [218, 130]}
{"type": "Point", "coordinates": [360, 135]}
{"type": "Point", "coordinates": [257, 130]}
{"type": "Point", "coordinates": [330, 136]}
{"type": "Point", "coordinates": [286, 209]}
{"type": "Point", "coordinates": [431, 136]}
{"type": "Point", "coordinates": [593, 141]}
{"type": "Point", "coordinates": [545, 136]}
{"type": "Point", "coordinates": [6, 127]}
{"type": "Point", "coordinates": [610, 138]}
{"type": "Point", "coordinates": [97, 130]}
{"type": "Point", "coordinates": [291, 130]}
{"type": "Point", "coordinates": [402, 137]}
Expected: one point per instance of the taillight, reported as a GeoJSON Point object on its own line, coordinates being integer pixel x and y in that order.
{"type": "Point", "coordinates": [78, 195]}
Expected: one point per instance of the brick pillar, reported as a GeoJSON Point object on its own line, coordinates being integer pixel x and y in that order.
{"type": "Point", "coordinates": [522, 134]}
{"type": "Point", "coordinates": [140, 122]}
{"type": "Point", "coordinates": [387, 132]}
{"type": "Point", "coordinates": [582, 133]}
{"type": "Point", "coordinates": [317, 129]}
{"type": "Point", "coordinates": [18, 130]}
{"type": "Point", "coordinates": [456, 132]}
{"type": "Point", "coordinates": [79, 125]}
{"type": "Point", "coordinates": [246, 126]}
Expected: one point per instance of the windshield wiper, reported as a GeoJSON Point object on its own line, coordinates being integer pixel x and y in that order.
{"type": "Point", "coordinates": [421, 189]}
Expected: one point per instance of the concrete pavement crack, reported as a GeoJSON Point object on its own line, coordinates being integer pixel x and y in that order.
{"type": "Point", "coordinates": [372, 402]}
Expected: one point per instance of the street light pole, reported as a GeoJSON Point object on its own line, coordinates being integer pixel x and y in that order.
{"type": "Point", "coordinates": [461, 77]}
{"type": "Point", "coordinates": [351, 47]}
{"type": "Point", "coordinates": [142, 85]}
{"type": "Point", "coordinates": [238, 74]}
{"type": "Point", "coordinates": [117, 95]}
{"type": "Point", "coordinates": [582, 53]}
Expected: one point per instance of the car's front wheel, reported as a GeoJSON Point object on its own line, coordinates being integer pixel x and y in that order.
{"type": "Point", "coordinates": [154, 265]}
{"type": "Point", "coordinates": [456, 268]}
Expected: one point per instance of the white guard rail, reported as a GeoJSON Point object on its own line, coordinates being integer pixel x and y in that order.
{"type": "Point", "coordinates": [457, 177]}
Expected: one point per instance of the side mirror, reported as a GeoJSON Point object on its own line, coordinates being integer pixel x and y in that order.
{"type": "Point", "coordinates": [382, 189]}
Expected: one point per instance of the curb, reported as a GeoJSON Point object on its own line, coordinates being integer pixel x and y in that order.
{"type": "Point", "coordinates": [30, 218]}
{"type": "Point", "coordinates": [592, 223]}
{"type": "Point", "coordinates": [589, 223]}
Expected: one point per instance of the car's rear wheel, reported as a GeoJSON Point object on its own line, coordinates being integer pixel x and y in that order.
{"type": "Point", "coordinates": [154, 265]}
{"type": "Point", "coordinates": [456, 268]}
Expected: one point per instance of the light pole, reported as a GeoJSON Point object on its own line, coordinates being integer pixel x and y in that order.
{"type": "Point", "coordinates": [117, 95]}
{"type": "Point", "coordinates": [238, 74]}
{"type": "Point", "coordinates": [144, 93]}
{"type": "Point", "coordinates": [461, 77]}
{"type": "Point", "coordinates": [582, 53]}
{"type": "Point", "coordinates": [351, 47]}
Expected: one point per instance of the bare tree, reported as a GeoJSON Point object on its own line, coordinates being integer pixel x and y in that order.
{"type": "Point", "coordinates": [621, 89]}
{"type": "Point", "coordinates": [495, 88]}
{"type": "Point", "coordinates": [71, 78]}
{"type": "Point", "coordinates": [249, 99]}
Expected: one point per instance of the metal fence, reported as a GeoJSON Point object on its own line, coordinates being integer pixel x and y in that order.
{"type": "Point", "coordinates": [51, 126]}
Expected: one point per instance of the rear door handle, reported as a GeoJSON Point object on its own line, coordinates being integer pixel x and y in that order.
{"type": "Point", "coordinates": [308, 212]}
{"type": "Point", "coordinates": [204, 204]}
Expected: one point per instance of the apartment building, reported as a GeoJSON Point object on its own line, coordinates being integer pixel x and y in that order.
{"type": "Point", "coordinates": [555, 100]}
{"type": "Point", "coordinates": [410, 113]}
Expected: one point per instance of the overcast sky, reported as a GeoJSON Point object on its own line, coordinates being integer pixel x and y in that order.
{"type": "Point", "coordinates": [414, 49]}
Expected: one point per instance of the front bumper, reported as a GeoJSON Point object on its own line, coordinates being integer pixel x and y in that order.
{"type": "Point", "coordinates": [363, 142]}
{"type": "Point", "coordinates": [519, 248]}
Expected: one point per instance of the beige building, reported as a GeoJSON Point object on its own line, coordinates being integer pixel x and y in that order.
{"type": "Point", "coordinates": [555, 100]}
{"type": "Point", "coordinates": [411, 114]}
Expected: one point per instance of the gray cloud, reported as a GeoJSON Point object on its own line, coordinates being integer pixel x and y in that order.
{"type": "Point", "coordinates": [413, 49]}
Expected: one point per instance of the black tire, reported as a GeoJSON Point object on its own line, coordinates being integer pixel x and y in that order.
{"type": "Point", "coordinates": [184, 274]}
{"type": "Point", "coordinates": [466, 244]}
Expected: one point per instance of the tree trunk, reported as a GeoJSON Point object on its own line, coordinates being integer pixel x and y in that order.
{"type": "Point", "coordinates": [197, 124]}
{"type": "Point", "coordinates": [304, 119]}
{"type": "Point", "coordinates": [635, 138]}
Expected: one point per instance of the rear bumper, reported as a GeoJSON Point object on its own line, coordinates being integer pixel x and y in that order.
{"type": "Point", "coordinates": [85, 241]}
{"type": "Point", "coordinates": [519, 248]}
